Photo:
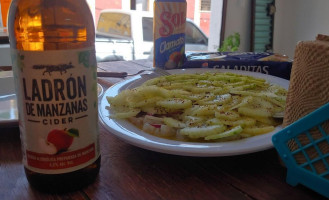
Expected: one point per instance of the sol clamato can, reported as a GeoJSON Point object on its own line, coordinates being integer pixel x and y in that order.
{"type": "Point", "coordinates": [169, 33]}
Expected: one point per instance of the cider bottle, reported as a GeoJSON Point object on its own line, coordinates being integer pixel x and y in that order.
{"type": "Point", "coordinates": [54, 64]}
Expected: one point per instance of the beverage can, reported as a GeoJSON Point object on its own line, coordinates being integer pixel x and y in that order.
{"type": "Point", "coordinates": [169, 33]}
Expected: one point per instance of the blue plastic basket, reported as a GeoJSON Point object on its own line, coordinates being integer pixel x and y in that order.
{"type": "Point", "coordinates": [304, 148]}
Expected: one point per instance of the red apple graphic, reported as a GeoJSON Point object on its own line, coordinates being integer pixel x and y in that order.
{"type": "Point", "coordinates": [62, 139]}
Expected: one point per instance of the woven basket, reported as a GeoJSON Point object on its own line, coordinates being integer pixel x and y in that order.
{"type": "Point", "coordinates": [309, 82]}
{"type": "Point", "coordinates": [309, 88]}
{"type": "Point", "coordinates": [303, 144]}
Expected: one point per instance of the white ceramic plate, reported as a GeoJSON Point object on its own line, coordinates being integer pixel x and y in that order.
{"type": "Point", "coordinates": [8, 103]}
{"type": "Point", "coordinates": [100, 90]}
{"type": "Point", "coordinates": [133, 135]}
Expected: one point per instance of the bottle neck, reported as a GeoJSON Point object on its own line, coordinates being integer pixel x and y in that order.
{"type": "Point", "coordinates": [50, 25]}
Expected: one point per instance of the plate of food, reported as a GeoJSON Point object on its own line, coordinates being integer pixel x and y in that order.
{"type": "Point", "coordinates": [196, 112]}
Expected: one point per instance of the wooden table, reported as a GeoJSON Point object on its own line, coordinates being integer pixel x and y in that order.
{"type": "Point", "coordinates": [129, 173]}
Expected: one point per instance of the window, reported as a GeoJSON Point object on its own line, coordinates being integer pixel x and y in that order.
{"type": "Point", "coordinates": [115, 24]}
{"type": "Point", "coordinates": [193, 35]}
{"type": "Point", "coordinates": [147, 29]}
{"type": "Point", "coordinates": [205, 5]}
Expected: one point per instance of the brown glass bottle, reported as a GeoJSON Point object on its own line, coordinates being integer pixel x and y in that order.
{"type": "Point", "coordinates": [46, 26]}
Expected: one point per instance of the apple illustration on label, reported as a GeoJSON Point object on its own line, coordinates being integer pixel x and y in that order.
{"type": "Point", "coordinates": [58, 140]}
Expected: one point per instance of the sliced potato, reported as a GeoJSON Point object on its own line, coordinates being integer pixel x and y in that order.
{"type": "Point", "coordinates": [243, 122]}
{"type": "Point", "coordinates": [173, 122]}
{"type": "Point", "coordinates": [199, 132]}
{"type": "Point", "coordinates": [175, 103]}
{"type": "Point", "coordinates": [207, 110]}
{"type": "Point", "coordinates": [123, 115]}
{"type": "Point", "coordinates": [254, 112]}
{"type": "Point", "coordinates": [228, 133]}
{"type": "Point", "coordinates": [228, 115]}
{"type": "Point", "coordinates": [258, 130]}
{"type": "Point", "coordinates": [217, 100]}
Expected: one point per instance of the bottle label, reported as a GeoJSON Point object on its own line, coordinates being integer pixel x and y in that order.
{"type": "Point", "coordinates": [57, 102]}
{"type": "Point", "coordinates": [169, 33]}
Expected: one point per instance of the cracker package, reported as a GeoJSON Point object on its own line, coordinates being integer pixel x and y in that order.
{"type": "Point", "coordinates": [262, 62]}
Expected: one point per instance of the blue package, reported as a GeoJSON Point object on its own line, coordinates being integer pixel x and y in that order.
{"type": "Point", "coordinates": [262, 62]}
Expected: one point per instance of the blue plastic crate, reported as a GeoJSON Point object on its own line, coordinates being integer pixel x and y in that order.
{"type": "Point", "coordinates": [304, 148]}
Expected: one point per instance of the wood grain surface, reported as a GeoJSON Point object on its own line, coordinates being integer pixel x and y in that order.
{"type": "Point", "coordinates": [129, 173]}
